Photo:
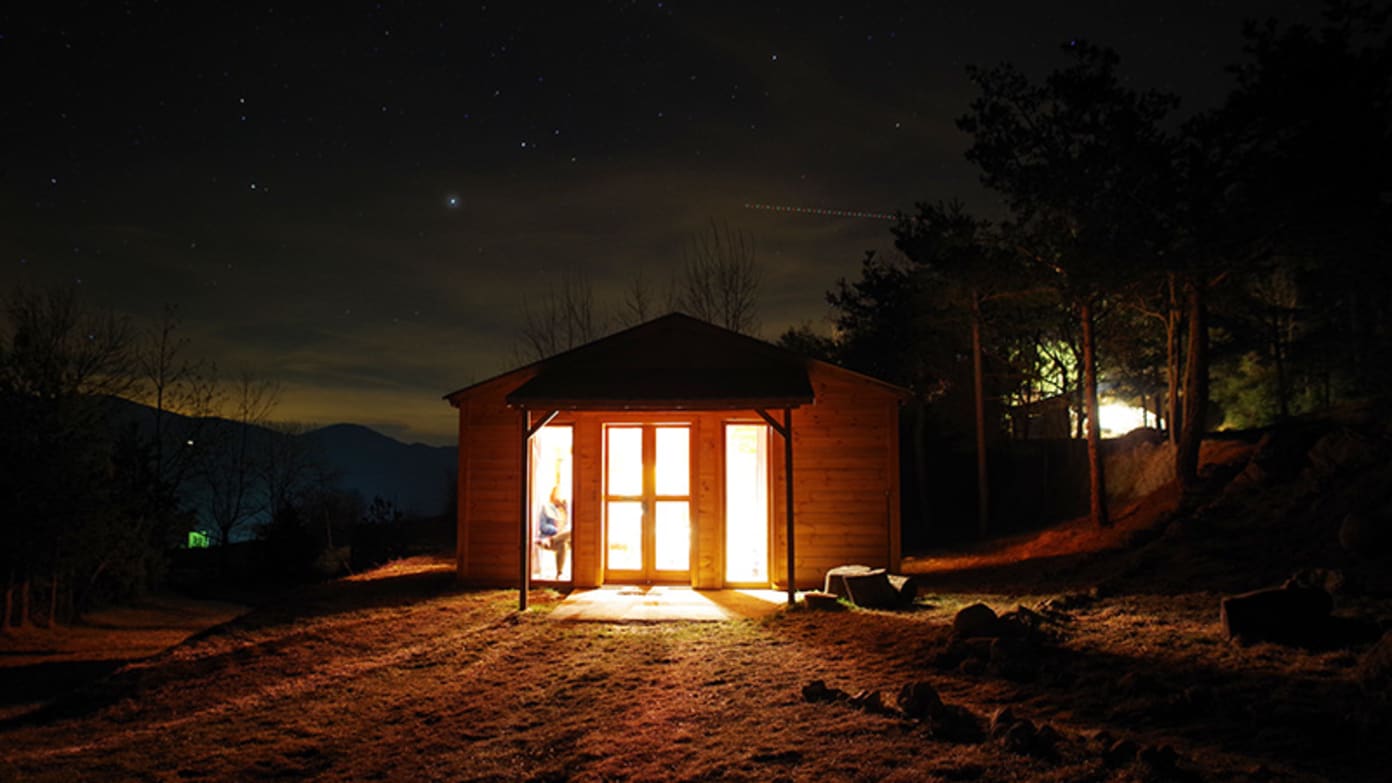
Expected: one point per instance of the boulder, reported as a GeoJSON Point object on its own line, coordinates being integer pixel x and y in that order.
{"type": "Point", "coordinates": [1375, 671]}
{"type": "Point", "coordinates": [1286, 615]}
{"type": "Point", "coordinates": [919, 700]}
{"type": "Point", "coordinates": [1019, 738]}
{"type": "Point", "coordinates": [817, 691]}
{"type": "Point", "coordinates": [976, 621]}
{"type": "Point", "coordinates": [1367, 535]}
{"type": "Point", "coordinates": [1001, 721]}
{"type": "Point", "coordinates": [1330, 580]}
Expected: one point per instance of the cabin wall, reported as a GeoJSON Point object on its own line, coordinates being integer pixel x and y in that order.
{"type": "Point", "coordinates": [846, 483]}
{"type": "Point", "coordinates": [845, 480]}
{"type": "Point", "coordinates": [490, 472]}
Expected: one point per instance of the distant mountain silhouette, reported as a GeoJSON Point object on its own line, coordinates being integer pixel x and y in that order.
{"type": "Point", "coordinates": [415, 477]}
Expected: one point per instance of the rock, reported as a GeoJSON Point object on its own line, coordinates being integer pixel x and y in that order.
{"type": "Point", "coordinates": [1120, 753]}
{"type": "Point", "coordinates": [1046, 740]}
{"type": "Point", "coordinates": [1001, 721]}
{"type": "Point", "coordinates": [1019, 738]}
{"type": "Point", "coordinates": [1330, 580]}
{"type": "Point", "coordinates": [1289, 615]}
{"type": "Point", "coordinates": [1014, 659]}
{"type": "Point", "coordinates": [919, 700]}
{"type": "Point", "coordinates": [1367, 535]}
{"type": "Point", "coordinates": [972, 666]}
{"type": "Point", "coordinates": [975, 621]}
{"type": "Point", "coordinates": [1161, 758]}
{"type": "Point", "coordinates": [817, 691]}
{"type": "Point", "coordinates": [1341, 450]}
{"type": "Point", "coordinates": [954, 724]}
{"type": "Point", "coordinates": [1374, 672]}
{"type": "Point", "coordinates": [870, 701]}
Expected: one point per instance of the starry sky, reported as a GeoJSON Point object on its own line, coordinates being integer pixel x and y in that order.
{"type": "Point", "coordinates": [357, 203]}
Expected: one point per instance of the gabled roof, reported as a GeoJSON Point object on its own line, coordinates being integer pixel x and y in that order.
{"type": "Point", "coordinates": [675, 362]}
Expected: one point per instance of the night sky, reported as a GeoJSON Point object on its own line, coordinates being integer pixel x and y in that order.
{"type": "Point", "coordinates": [356, 203]}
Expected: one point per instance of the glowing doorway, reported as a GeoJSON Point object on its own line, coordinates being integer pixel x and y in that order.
{"type": "Point", "coordinates": [746, 504]}
{"type": "Point", "coordinates": [550, 503]}
{"type": "Point", "coordinates": [647, 503]}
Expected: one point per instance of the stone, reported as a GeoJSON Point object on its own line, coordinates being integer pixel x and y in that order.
{"type": "Point", "coordinates": [1288, 615]}
{"type": "Point", "coordinates": [1161, 758]}
{"type": "Point", "coordinates": [954, 724]}
{"type": "Point", "coordinates": [1019, 738]}
{"type": "Point", "coordinates": [1014, 659]}
{"type": "Point", "coordinates": [1374, 672]}
{"type": "Point", "coordinates": [1367, 535]}
{"type": "Point", "coordinates": [919, 700]}
{"type": "Point", "coordinates": [870, 701]}
{"type": "Point", "coordinates": [1330, 580]}
{"type": "Point", "coordinates": [972, 666]}
{"type": "Point", "coordinates": [1001, 721]}
{"type": "Point", "coordinates": [817, 691]}
{"type": "Point", "coordinates": [975, 621]}
{"type": "Point", "coordinates": [1120, 753]}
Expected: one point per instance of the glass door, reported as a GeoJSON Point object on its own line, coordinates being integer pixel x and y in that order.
{"type": "Point", "coordinates": [647, 503]}
{"type": "Point", "coordinates": [746, 504]}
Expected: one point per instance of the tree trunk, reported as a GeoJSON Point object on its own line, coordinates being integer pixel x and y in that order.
{"type": "Point", "coordinates": [1195, 389]}
{"type": "Point", "coordinates": [983, 492]}
{"type": "Point", "coordinates": [1172, 324]}
{"type": "Point", "coordinates": [1097, 485]}
{"type": "Point", "coordinates": [920, 452]}
{"type": "Point", "coordinates": [23, 601]}
{"type": "Point", "coordinates": [9, 602]}
{"type": "Point", "coordinates": [53, 599]}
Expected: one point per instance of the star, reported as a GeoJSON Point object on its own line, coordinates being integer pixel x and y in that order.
{"type": "Point", "coordinates": [452, 201]}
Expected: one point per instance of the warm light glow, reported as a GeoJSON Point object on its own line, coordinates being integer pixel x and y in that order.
{"type": "Point", "coordinates": [1118, 418]}
{"type": "Point", "coordinates": [625, 535]}
{"type": "Point", "coordinates": [673, 461]}
{"type": "Point", "coordinates": [551, 470]}
{"type": "Point", "coordinates": [625, 461]}
{"type": "Point", "coordinates": [673, 550]}
{"type": "Point", "coordinates": [746, 504]}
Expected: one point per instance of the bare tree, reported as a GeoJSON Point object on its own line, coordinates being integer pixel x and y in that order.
{"type": "Point", "coordinates": [232, 469]}
{"type": "Point", "coordinates": [639, 302]}
{"type": "Point", "coordinates": [172, 384]}
{"type": "Point", "coordinates": [562, 318]}
{"type": "Point", "coordinates": [718, 280]}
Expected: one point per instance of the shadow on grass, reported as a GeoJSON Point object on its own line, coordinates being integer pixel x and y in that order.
{"type": "Point", "coordinates": [1273, 705]}
{"type": "Point", "coordinates": [79, 688]}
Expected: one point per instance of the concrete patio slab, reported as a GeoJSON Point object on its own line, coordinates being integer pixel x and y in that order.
{"type": "Point", "coordinates": [660, 603]}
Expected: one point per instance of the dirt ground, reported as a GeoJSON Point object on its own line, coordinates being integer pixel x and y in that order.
{"type": "Point", "coordinates": [400, 675]}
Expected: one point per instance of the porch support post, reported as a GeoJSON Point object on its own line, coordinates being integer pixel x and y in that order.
{"type": "Point", "coordinates": [524, 540]}
{"type": "Point", "coordinates": [785, 429]}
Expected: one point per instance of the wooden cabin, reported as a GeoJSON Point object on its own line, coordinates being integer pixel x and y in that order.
{"type": "Point", "coordinates": [660, 454]}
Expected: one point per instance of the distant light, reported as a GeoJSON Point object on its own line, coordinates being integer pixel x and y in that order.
{"type": "Point", "coordinates": [188, 442]}
{"type": "Point", "coordinates": [452, 201]}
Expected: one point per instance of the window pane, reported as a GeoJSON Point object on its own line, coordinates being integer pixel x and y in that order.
{"type": "Point", "coordinates": [625, 535]}
{"type": "Point", "coordinates": [673, 461]}
{"type": "Point", "coordinates": [625, 468]}
{"type": "Point", "coordinates": [673, 535]}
